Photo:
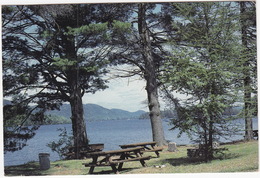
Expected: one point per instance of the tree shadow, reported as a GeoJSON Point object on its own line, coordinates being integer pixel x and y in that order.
{"type": "Point", "coordinates": [183, 161]}
{"type": "Point", "coordinates": [227, 156]}
{"type": "Point", "coordinates": [30, 169]}
{"type": "Point", "coordinates": [195, 161]}
{"type": "Point", "coordinates": [102, 172]}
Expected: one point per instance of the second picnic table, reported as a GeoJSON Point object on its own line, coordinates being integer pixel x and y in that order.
{"type": "Point", "coordinates": [148, 147]}
{"type": "Point", "coordinates": [115, 158]}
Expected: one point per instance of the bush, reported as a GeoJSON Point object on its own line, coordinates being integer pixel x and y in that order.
{"type": "Point", "coordinates": [63, 144]}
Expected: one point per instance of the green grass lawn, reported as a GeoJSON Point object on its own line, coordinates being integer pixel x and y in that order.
{"type": "Point", "coordinates": [240, 157]}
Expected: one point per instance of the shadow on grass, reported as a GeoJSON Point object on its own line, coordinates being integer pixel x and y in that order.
{"type": "Point", "coordinates": [183, 161]}
{"type": "Point", "coordinates": [224, 156]}
{"type": "Point", "coordinates": [195, 161]}
{"type": "Point", "coordinates": [29, 169]}
{"type": "Point", "coordinates": [102, 172]}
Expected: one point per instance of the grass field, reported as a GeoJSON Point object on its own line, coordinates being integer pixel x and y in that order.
{"type": "Point", "coordinates": [240, 157]}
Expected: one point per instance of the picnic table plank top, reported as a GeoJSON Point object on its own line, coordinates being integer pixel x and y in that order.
{"type": "Point", "coordinates": [114, 152]}
{"type": "Point", "coordinates": [138, 144]}
{"type": "Point", "coordinates": [108, 158]}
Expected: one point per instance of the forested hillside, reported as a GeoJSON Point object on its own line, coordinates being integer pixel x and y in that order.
{"type": "Point", "coordinates": [93, 112]}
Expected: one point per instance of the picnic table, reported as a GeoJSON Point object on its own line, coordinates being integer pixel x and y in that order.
{"type": "Point", "coordinates": [115, 158]}
{"type": "Point", "coordinates": [148, 147]}
{"type": "Point", "coordinates": [83, 150]}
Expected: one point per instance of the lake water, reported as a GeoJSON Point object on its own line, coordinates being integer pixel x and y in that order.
{"type": "Point", "coordinates": [112, 133]}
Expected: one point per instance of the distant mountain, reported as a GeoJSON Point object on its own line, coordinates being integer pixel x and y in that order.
{"type": "Point", "coordinates": [95, 112]}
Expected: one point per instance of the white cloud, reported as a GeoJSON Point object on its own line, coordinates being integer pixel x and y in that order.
{"type": "Point", "coordinates": [123, 93]}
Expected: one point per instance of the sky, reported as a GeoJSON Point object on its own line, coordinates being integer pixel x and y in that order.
{"type": "Point", "coordinates": [123, 93]}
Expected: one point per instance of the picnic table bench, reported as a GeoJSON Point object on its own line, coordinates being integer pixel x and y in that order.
{"type": "Point", "coordinates": [148, 147]}
{"type": "Point", "coordinates": [83, 150]}
{"type": "Point", "coordinates": [115, 158]}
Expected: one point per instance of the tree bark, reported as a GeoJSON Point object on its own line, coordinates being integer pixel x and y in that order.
{"type": "Point", "coordinates": [77, 112]}
{"type": "Point", "coordinates": [78, 121]}
{"type": "Point", "coordinates": [210, 142]}
{"type": "Point", "coordinates": [247, 78]}
{"type": "Point", "coordinates": [150, 77]}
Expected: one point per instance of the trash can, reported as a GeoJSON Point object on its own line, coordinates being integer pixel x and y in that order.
{"type": "Point", "coordinates": [44, 159]}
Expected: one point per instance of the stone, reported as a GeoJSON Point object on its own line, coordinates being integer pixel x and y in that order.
{"type": "Point", "coordinates": [172, 147]}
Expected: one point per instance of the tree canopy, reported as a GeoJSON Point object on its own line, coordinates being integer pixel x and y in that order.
{"type": "Point", "coordinates": [56, 53]}
{"type": "Point", "coordinates": [203, 68]}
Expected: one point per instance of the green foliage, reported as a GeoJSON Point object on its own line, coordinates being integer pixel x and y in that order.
{"type": "Point", "coordinates": [53, 119]}
{"type": "Point", "coordinates": [121, 27]}
{"type": "Point", "coordinates": [64, 64]}
{"type": "Point", "coordinates": [47, 34]}
{"type": "Point", "coordinates": [63, 144]}
{"type": "Point", "coordinates": [16, 130]}
{"type": "Point", "coordinates": [91, 29]}
{"type": "Point", "coordinates": [47, 52]}
{"type": "Point", "coordinates": [248, 62]}
{"type": "Point", "coordinates": [203, 69]}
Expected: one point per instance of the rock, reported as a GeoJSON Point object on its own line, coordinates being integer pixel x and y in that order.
{"type": "Point", "coordinates": [172, 147]}
{"type": "Point", "coordinates": [162, 166]}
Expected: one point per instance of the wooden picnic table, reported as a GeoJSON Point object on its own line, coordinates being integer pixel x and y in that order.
{"type": "Point", "coordinates": [115, 158]}
{"type": "Point", "coordinates": [83, 150]}
{"type": "Point", "coordinates": [148, 147]}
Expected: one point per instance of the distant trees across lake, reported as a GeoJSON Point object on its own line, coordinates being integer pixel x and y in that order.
{"type": "Point", "coordinates": [168, 114]}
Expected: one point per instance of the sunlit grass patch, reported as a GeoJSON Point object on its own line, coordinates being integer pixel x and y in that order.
{"type": "Point", "coordinates": [240, 157]}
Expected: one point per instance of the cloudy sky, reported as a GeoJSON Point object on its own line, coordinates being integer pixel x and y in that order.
{"type": "Point", "coordinates": [123, 93]}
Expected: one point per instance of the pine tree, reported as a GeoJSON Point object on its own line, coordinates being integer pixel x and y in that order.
{"type": "Point", "coordinates": [247, 63]}
{"type": "Point", "coordinates": [201, 67]}
{"type": "Point", "coordinates": [143, 49]}
{"type": "Point", "coordinates": [54, 54]}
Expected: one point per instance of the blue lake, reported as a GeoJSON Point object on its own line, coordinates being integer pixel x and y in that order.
{"type": "Point", "coordinates": [112, 133]}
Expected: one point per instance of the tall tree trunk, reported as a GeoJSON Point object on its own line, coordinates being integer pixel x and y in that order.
{"type": "Point", "coordinates": [150, 76]}
{"type": "Point", "coordinates": [77, 111]}
{"type": "Point", "coordinates": [78, 121]}
{"type": "Point", "coordinates": [210, 142]}
{"type": "Point", "coordinates": [247, 79]}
